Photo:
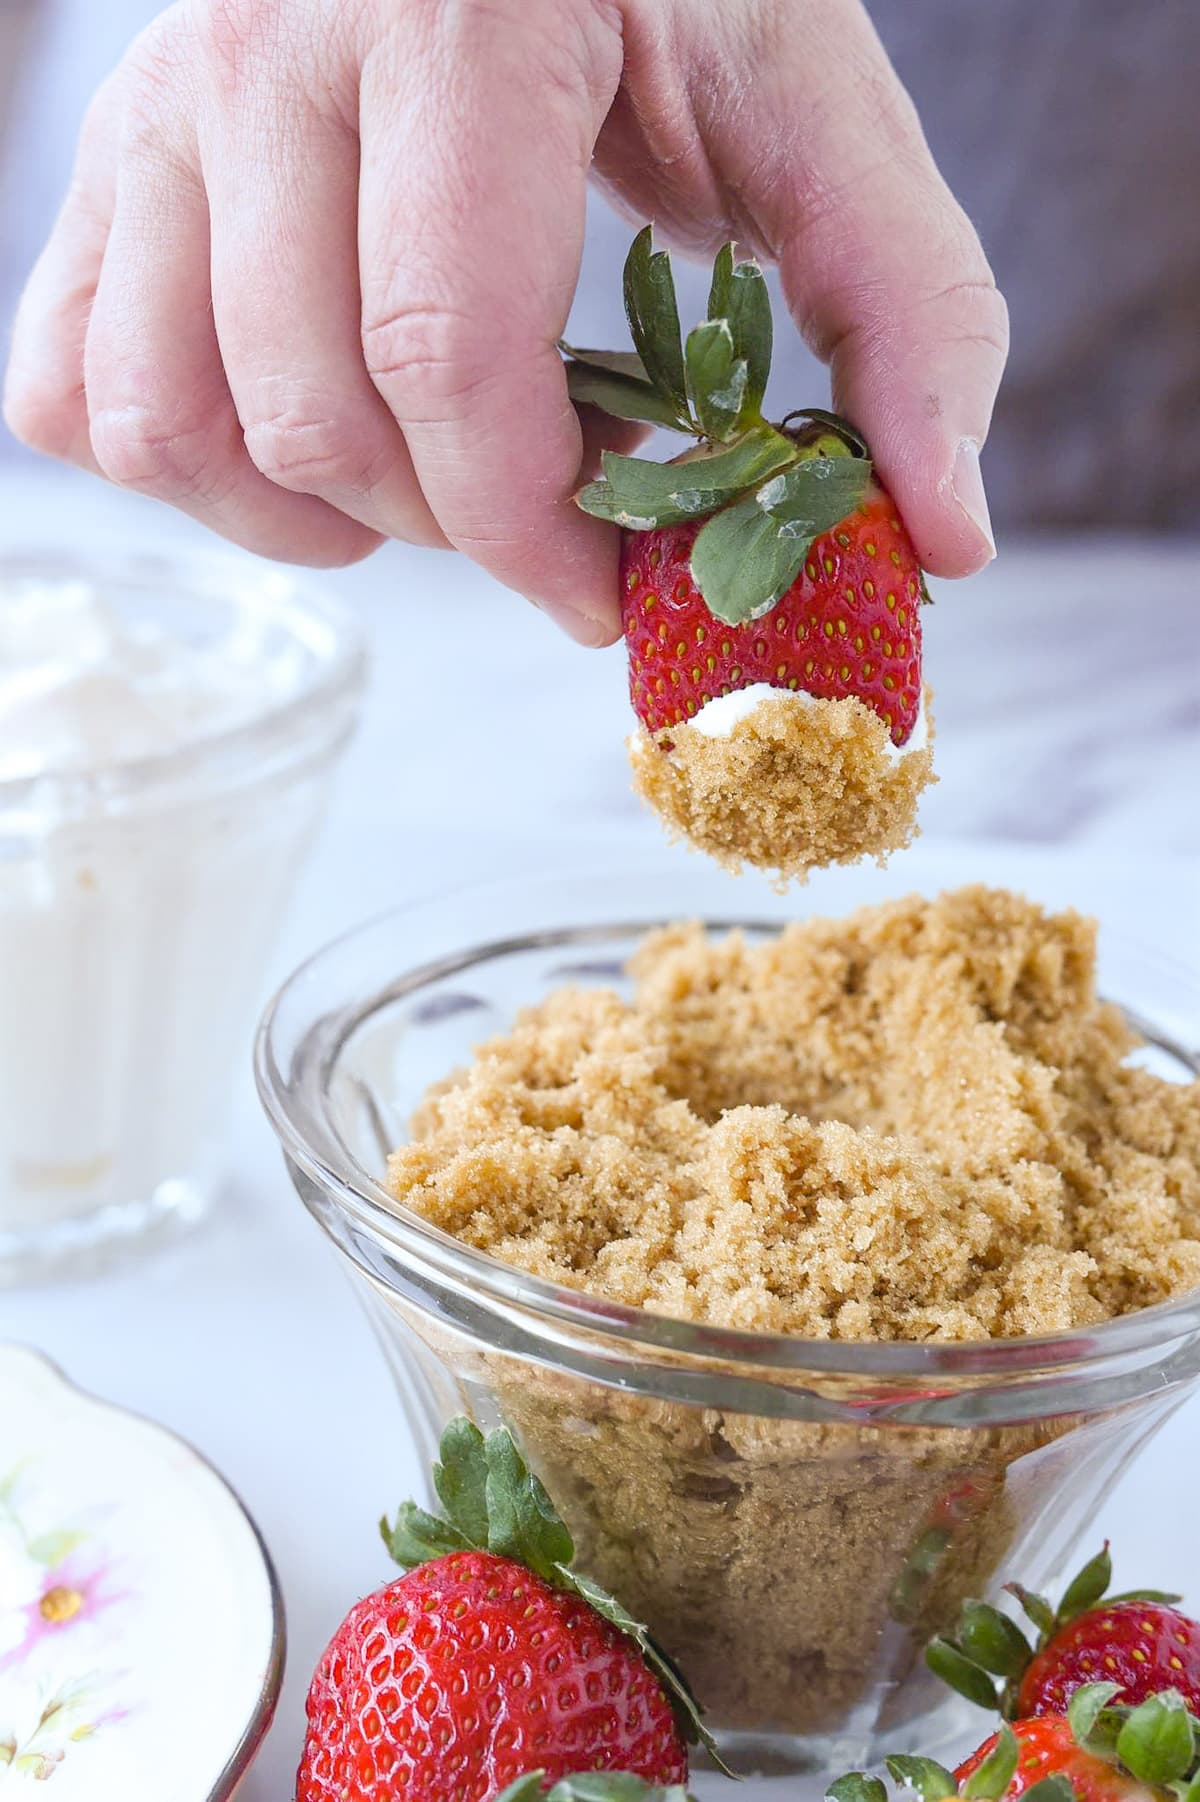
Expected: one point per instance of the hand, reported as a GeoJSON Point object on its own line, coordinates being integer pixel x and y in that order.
{"type": "Point", "coordinates": [310, 274]}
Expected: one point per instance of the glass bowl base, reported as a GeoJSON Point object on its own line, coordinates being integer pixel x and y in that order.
{"type": "Point", "coordinates": [82, 1244]}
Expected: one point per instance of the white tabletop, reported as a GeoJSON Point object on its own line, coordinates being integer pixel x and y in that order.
{"type": "Point", "coordinates": [1069, 752]}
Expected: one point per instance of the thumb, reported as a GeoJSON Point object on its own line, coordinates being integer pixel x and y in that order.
{"type": "Point", "coordinates": [888, 281]}
{"type": "Point", "coordinates": [881, 267]}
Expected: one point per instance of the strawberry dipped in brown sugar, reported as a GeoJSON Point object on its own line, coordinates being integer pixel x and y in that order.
{"type": "Point", "coordinates": [770, 594]}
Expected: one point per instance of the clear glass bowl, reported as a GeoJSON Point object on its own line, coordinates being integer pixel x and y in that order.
{"type": "Point", "coordinates": [793, 1518]}
{"type": "Point", "coordinates": [140, 893]}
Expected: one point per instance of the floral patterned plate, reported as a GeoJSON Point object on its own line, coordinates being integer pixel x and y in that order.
{"type": "Point", "coordinates": [141, 1627]}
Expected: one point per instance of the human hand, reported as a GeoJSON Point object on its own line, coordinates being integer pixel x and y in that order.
{"type": "Point", "coordinates": [311, 272]}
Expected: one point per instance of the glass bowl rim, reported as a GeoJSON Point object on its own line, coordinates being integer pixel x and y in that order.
{"type": "Point", "coordinates": [338, 675]}
{"type": "Point", "coordinates": [323, 1157]}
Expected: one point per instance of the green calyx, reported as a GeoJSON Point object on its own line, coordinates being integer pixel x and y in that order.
{"type": "Point", "coordinates": [764, 491]}
{"type": "Point", "coordinates": [492, 1502]}
{"type": "Point", "coordinates": [989, 1655]}
{"type": "Point", "coordinates": [1158, 1743]}
{"type": "Point", "coordinates": [592, 1786]}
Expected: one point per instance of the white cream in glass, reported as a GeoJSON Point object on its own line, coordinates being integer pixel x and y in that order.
{"type": "Point", "coordinates": [168, 727]}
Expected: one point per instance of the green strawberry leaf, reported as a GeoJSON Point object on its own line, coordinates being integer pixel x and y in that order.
{"type": "Point", "coordinates": [620, 396]}
{"type": "Point", "coordinates": [1036, 1607]}
{"type": "Point", "coordinates": [687, 1710]}
{"type": "Point", "coordinates": [743, 561]}
{"type": "Point", "coordinates": [749, 555]}
{"type": "Point", "coordinates": [1158, 1741]}
{"type": "Point", "coordinates": [721, 286]}
{"type": "Point", "coordinates": [461, 1480]}
{"type": "Point", "coordinates": [990, 1639]}
{"type": "Point", "coordinates": [739, 296]}
{"type": "Point", "coordinates": [814, 495]}
{"type": "Point", "coordinates": [716, 378]}
{"type": "Point", "coordinates": [615, 362]}
{"type": "Point", "coordinates": [932, 1781]}
{"type": "Point", "coordinates": [856, 1786]}
{"type": "Point", "coordinates": [522, 1521]}
{"type": "Point", "coordinates": [998, 1768]}
{"type": "Point", "coordinates": [525, 1789]}
{"type": "Point", "coordinates": [1086, 1707]}
{"type": "Point", "coordinates": [1085, 1590]}
{"type": "Point", "coordinates": [1057, 1788]}
{"type": "Point", "coordinates": [1186, 1792]}
{"type": "Point", "coordinates": [961, 1673]}
{"type": "Point", "coordinates": [654, 318]}
{"type": "Point", "coordinates": [640, 495]}
{"type": "Point", "coordinates": [592, 1786]}
{"type": "Point", "coordinates": [415, 1537]}
{"type": "Point", "coordinates": [1166, 1596]}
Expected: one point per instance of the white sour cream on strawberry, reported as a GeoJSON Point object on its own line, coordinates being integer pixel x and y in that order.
{"type": "Point", "coordinates": [718, 717]}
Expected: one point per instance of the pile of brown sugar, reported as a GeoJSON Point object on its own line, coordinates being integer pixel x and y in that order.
{"type": "Point", "coordinates": [914, 1123]}
{"type": "Point", "coordinates": [791, 789]}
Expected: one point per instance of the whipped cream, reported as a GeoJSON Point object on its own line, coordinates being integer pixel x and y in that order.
{"type": "Point", "coordinates": [81, 686]}
{"type": "Point", "coordinates": [133, 936]}
{"type": "Point", "coordinates": [718, 717]}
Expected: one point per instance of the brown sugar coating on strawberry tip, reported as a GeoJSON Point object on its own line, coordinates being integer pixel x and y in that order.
{"type": "Point", "coordinates": [849, 625]}
{"type": "Point", "coordinates": [468, 1672]}
{"type": "Point", "coordinates": [791, 789]}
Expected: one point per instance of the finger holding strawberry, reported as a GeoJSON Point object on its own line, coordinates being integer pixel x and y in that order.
{"type": "Point", "coordinates": [1138, 1641]}
{"type": "Point", "coordinates": [492, 1661]}
{"type": "Point", "coordinates": [770, 594]}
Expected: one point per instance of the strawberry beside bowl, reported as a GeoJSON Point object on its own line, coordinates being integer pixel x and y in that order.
{"type": "Point", "coordinates": [793, 1518]}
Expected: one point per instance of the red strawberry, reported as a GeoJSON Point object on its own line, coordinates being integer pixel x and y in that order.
{"type": "Point", "coordinates": [490, 1659]}
{"type": "Point", "coordinates": [1048, 1748]}
{"type": "Point", "coordinates": [1141, 1646]}
{"type": "Point", "coordinates": [848, 625]}
{"type": "Point", "coordinates": [768, 555]}
{"type": "Point", "coordinates": [1136, 1642]}
{"type": "Point", "coordinates": [469, 1671]}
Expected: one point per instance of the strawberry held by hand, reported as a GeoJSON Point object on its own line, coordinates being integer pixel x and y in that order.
{"type": "Point", "coordinates": [1137, 1641]}
{"type": "Point", "coordinates": [1098, 1752]}
{"type": "Point", "coordinates": [490, 1659]}
{"type": "Point", "coordinates": [768, 563]}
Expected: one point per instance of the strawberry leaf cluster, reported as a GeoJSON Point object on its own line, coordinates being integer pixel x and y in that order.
{"type": "Point", "coordinates": [988, 1656]}
{"type": "Point", "coordinates": [493, 1502]}
{"type": "Point", "coordinates": [1156, 1743]}
{"type": "Point", "coordinates": [764, 492]}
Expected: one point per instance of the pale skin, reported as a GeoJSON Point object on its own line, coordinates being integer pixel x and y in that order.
{"type": "Point", "coordinates": [316, 255]}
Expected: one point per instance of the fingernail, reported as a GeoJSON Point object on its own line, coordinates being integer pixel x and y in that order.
{"type": "Point", "coordinates": [967, 483]}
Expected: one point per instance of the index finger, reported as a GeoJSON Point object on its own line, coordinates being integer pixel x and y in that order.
{"type": "Point", "coordinates": [471, 217]}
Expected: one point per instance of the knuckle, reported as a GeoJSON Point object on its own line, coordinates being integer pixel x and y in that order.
{"type": "Point", "coordinates": [316, 453]}
{"type": "Point", "coordinates": [236, 36]}
{"type": "Point", "coordinates": [42, 418]}
{"type": "Point", "coordinates": [428, 358]}
{"type": "Point", "coordinates": [139, 447]}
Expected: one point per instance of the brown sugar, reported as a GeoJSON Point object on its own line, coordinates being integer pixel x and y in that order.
{"type": "Point", "coordinates": [917, 1123]}
{"type": "Point", "coordinates": [793, 787]}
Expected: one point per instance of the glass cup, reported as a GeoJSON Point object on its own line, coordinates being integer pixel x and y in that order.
{"type": "Point", "coordinates": [793, 1518]}
{"type": "Point", "coordinates": [139, 898]}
